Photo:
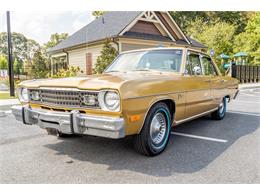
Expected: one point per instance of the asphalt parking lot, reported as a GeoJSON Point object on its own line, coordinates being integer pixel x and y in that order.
{"type": "Point", "coordinates": [200, 151]}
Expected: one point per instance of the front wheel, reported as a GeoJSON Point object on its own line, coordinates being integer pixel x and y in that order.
{"type": "Point", "coordinates": [221, 111]}
{"type": "Point", "coordinates": [155, 133]}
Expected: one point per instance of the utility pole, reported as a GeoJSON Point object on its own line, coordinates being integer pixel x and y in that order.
{"type": "Point", "coordinates": [10, 60]}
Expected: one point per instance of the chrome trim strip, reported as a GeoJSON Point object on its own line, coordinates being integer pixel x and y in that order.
{"type": "Point", "coordinates": [195, 116]}
{"type": "Point", "coordinates": [65, 89]}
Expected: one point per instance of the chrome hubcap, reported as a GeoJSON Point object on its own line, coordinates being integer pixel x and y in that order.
{"type": "Point", "coordinates": [158, 128]}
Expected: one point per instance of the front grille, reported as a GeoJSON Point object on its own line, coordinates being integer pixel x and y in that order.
{"type": "Point", "coordinates": [71, 98]}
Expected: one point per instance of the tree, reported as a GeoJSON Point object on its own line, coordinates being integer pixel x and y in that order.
{"type": "Point", "coordinates": [23, 49]}
{"type": "Point", "coordinates": [186, 18]}
{"type": "Point", "coordinates": [3, 63]}
{"type": "Point", "coordinates": [249, 41]}
{"type": "Point", "coordinates": [19, 45]}
{"type": "Point", "coordinates": [108, 54]}
{"type": "Point", "coordinates": [219, 37]}
{"type": "Point", "coordinates": [55, 39]}
{"type": "Point", "coordinates": [39, 65]}
{"type": "Point", "coordinates": [98, 13]}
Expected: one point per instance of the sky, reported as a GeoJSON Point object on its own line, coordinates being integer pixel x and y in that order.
{"type": "Point", "coordinates": [40, 25]}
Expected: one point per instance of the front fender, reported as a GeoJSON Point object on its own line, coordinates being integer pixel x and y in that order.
{"type": "Point", "coordinates": [139, 107]}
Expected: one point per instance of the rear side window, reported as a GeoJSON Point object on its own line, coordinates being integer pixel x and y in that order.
{"type": "Point", "coordinates": [193, 66]}
{"type": "Point", "coordinates": [208, 66]}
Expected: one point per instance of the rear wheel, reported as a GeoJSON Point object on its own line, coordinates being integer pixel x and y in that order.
{"type": "Point", "coordinates": [155, 133]}
{"type": "Point", "coordinates": [221, 111]}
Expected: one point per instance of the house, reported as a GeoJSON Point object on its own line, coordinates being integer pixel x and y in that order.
{"type": "Point", "coordinates": [127, 30]}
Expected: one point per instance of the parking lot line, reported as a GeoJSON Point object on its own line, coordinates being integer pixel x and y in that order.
{"type": "Point", "coordinates": [245, 113]}
{"type": "Point", "coordinates": [248, 102]}
{"type": "Point", "coordinates": [200, 137]}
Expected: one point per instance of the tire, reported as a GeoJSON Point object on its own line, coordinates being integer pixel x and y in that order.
{"type": "Point", "coordinates": [155, 134]}
{"type": "Point", "coordinates": [220, 113]}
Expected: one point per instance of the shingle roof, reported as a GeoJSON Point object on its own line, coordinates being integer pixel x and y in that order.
{"type": "Point", "coordinates": [108, 25]}
{"type": "Point", "coordinates": [193, 43]}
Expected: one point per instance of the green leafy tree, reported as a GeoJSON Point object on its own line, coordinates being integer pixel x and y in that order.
{"type": "Point", "coordinates": [219, 36]}
{"type": "Point", "coordinates": [98, 13]}
{"type": "Point", "coordinates": [19, 45]}
{"type": "Point", "coordinates": [237, 18]}
{"type": "Point", "coordinates": [39, 66]}
{"type": "Point", "coordinates": [249, 41]}
{"type": "Point", "coordinates": [3, 63]}
{"type": "Point", "coordinates": [55, 39]}
{"type": "Point", "coordinates": [23, 49]}
{"type": "Point", "coordinates": [108, 54]}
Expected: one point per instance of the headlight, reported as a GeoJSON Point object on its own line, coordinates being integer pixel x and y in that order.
{"type": "Point", "coordinates": [23, 95]}
{"type": "Point", "coordinates": [109, 100]}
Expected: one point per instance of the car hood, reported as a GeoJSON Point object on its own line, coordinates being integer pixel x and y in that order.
{"type": "Point", "coordinates": [109, 80]}
{"type": "Point", "coordinates": [137, 82]}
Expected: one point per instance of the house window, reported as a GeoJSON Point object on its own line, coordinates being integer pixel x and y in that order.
{"type": "Point", "coordinates": [88, 63]}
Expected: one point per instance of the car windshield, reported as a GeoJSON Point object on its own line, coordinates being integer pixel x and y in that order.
{"type": "Point", "coordinates": [160, 60]}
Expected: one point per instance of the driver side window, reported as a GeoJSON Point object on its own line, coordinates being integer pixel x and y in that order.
{"type": "Point", "coordinates": [193, 66]}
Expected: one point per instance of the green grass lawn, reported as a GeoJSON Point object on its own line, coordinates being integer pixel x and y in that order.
{"type": "Point", "coordinates": [6, 96]}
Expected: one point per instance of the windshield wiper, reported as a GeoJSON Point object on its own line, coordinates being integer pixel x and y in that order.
{"type": "Point", "coordinates": [141, 70]}
{"type": "Point", "coordinates": [111, 71]}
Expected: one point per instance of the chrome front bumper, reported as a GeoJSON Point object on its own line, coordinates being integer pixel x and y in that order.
{"type": "Point", "coordinates": [71, 122]}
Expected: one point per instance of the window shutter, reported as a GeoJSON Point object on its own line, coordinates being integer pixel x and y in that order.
{"type": "Point", "coordinates": [88, 63]}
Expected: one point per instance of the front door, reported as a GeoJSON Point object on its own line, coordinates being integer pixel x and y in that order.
{"type": "Point", "coordinates": [197, 87]}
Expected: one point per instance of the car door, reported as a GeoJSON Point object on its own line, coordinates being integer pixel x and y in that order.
{"type": "Point", "coordinates": [217, 82]}
{"type": "Point", "coordinates": [210, 72]}
{"type": "Point", "coordinates": [197, 86]}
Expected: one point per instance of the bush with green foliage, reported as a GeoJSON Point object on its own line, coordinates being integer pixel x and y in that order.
{"type": "Point", "coordinates": [108, 54]}
{"type": "Point", "coordinates": [40, 68]}
{"type": "Point", "coordinates": [72, 71]}
{"type": "Point", "coordinates": [3, 63]}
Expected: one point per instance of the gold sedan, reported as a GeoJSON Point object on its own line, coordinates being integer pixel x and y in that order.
{"type": "Point", "coordinates": [142, 93]}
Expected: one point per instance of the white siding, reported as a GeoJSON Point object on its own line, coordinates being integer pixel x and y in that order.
{"type": "Point", "coordinates": [77, 57]}
{"type": "Point", "coordinates": [131, 46]}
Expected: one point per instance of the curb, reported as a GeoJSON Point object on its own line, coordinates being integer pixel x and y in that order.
{"type": "Point", "coordinates": [247, 86]}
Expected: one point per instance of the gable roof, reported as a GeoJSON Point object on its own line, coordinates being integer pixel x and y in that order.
{"type": "Point", "coordinates": [111, 24]}
{"type": "Point", "coordinates": [193, 43]}
{"type": "Point", "coordinates": [108, 25]}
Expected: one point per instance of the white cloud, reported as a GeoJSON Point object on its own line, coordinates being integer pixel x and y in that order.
{"type": "Point", "coordinates": [39, 26]}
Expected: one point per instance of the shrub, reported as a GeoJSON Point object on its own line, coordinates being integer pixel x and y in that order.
{"type": "Point", "coordinates": [72, 71]}
{"type": "Point", "coordinates": [108, 54]}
